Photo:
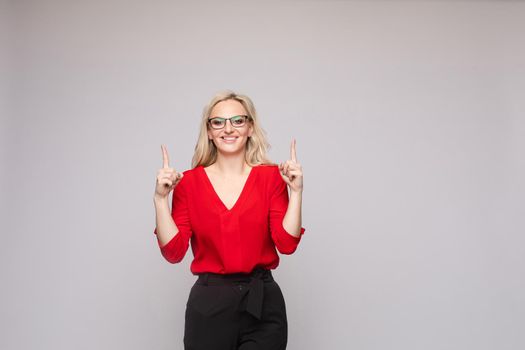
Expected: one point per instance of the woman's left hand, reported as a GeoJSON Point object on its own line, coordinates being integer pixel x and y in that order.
{"type": "Point", "coordinates": [292, 172]}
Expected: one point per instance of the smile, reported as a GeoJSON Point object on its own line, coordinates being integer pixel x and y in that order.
{"type": "Point", "coordinates": [229, 139]}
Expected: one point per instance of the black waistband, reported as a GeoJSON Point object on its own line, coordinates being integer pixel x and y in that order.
{"type": "Point", "coordinates": [255, 280]}
{"type": "Point", "coordinates": [221, 279]}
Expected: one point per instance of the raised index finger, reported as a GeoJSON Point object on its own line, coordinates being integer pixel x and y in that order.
{"type": "Point", "coordinates": [165, 159]}
{"type": "Point", "coordinates": [293, 155]}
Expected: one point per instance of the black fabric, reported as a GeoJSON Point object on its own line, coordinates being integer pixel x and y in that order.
{"type": "Point", "coordinates": [236, 312]}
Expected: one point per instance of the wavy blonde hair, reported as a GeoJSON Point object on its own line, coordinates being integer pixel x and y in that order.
{"type": "Point", "coordinates": [256, 146]}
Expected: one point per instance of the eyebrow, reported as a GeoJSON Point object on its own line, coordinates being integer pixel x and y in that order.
{"type": "Point", "coordinates": [236, 115]}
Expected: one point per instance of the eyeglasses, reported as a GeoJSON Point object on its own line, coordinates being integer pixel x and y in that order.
{"type": "Point", "coordinates": [237, 121]}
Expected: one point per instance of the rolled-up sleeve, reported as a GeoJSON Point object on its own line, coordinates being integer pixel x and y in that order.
{"type": "Point", "coordinates": [284, 242]}
{"type": "Point", "coordinates": [176, 248]}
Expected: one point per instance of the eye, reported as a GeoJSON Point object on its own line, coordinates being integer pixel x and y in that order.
{"type": "Point", "coordinates": [238, 120]}
{"type": "Point", "coordinates": [217, 122]}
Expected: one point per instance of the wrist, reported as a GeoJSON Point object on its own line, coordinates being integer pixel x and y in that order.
{"type": "Point", "coordinates": [296, 192]}
{"type": "Point", "coordinates": [159, 201]}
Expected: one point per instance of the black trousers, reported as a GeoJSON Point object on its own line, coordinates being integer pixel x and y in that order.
{"type": "Point", "coordinates": [236, 312]}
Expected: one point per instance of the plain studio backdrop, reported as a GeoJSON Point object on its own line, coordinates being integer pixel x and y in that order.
{"type": "Point", "coordinates": [409, 120]}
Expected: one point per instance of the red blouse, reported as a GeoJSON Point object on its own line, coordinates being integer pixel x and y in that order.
{"type": "Point", "coordinates": [236, 240]}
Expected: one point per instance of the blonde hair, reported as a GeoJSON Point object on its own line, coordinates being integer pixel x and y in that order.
{"type": "Point", "coordinates": [256, 146]}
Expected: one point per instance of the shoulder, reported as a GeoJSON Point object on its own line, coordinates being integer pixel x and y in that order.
{"type": "Point", "coordinates": [268, 169]}
{"type": "Point", "coordinates": [270, 175]}
{"type": "Point", "coordinates": [190, 177]}
{"type": "Point", "coordinates": [191, 172]}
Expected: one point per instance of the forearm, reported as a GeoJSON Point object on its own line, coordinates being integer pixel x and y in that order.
{"type": "Point", "coordinates": [292, 218]}
{"type": "Point", "coordinates": [166, 228]}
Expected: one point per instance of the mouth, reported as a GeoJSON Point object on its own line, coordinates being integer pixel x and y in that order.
{"type": "Point", "coordinates": [229, 139]}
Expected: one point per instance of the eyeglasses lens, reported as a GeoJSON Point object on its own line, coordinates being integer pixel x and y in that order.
{"type": "Point", "coordinates": [237, 121]}
{"type": "Point", "coordinates": [219, 123]}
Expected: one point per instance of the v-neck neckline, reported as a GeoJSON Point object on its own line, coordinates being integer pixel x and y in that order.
{"type": "Point", "coordinates": [241, 196]}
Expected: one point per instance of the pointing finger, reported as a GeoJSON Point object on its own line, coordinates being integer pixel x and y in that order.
{"type": "Point", "coordinates": [165, 159]}
{"type": "Point", "coordinates": [293, 155]}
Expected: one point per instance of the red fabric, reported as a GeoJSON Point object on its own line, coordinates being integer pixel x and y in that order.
{"type": "Point", "coordinates": [236, 240]}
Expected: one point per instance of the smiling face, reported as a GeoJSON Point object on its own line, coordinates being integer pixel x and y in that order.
{"type": "Point", "coordinates": [229, 140]}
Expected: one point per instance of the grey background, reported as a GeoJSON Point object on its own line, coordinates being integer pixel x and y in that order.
{"type": "Point", "coordinates": [409, 119]}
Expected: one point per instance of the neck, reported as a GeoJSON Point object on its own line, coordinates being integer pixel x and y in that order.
{"type": "Point", "coordinates": [231, 164]}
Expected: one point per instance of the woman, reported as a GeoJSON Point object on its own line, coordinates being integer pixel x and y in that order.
{"type": "Point", "coordinates": [233, 206]}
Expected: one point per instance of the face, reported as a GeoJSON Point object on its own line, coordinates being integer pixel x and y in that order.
{"type": "Point", "coordinates": [230, 139]}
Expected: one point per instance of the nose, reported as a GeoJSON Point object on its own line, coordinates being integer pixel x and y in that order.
{"type": "Point", "coordinates": [228, 127]}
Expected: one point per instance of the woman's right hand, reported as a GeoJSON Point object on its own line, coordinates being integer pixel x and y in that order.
{"type": "Point", "coordinates": [167, 178]}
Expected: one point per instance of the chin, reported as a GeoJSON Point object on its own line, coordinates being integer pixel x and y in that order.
{"type": "Point", "coordinates": [229, 148]}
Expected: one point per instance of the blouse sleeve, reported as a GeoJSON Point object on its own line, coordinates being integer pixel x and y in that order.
{"type": "Point", "coordinates": [285, 242]}
{"type": "Point", "coordinates": [176, 248]}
